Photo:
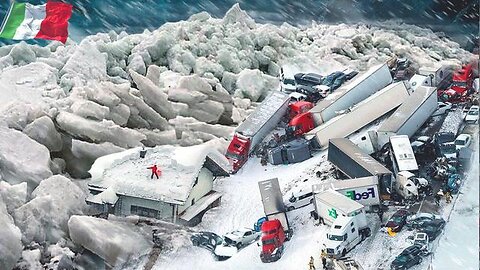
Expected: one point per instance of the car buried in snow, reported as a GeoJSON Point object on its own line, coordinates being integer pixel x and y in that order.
{"type": "Point", "coordinates": [409, 257]}
{"type": "Point", "coordinates": [397, 220]}
{"type": "Point", "coordinates": [241, 237]}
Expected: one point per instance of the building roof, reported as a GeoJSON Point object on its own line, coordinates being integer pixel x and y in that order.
{"type": "Point", "coordinates": [128, 174]}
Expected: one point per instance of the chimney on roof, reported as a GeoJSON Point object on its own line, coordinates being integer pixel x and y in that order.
{"type": "Point", "coordinates": [143, 152]}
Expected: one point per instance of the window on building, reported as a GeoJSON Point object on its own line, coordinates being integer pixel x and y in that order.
{"type": "Point", "coordinates": [144, 212]}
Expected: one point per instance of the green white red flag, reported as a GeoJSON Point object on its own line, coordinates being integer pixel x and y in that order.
{"type": "Point", "coordinates": [27, 21]}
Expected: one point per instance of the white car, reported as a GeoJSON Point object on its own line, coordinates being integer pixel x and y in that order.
{"type": "Point", "coordinates": [472, 115]}
{"type": "Point", "coordinates": [241, 237]}
{"type": "Point", "coordinates": [463, 140]}
{"type": "Point", "coordinates": [442, 108]}
{"type": "Point", "coordinates": [322, 89]}
{"type": "Point", "coordinates": [300, 199]}
{"type": "Point", "coordinates": [421, 240]}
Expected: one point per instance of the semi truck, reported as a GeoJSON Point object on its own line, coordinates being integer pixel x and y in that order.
{"type": "Point", "coordinates": [276, 229]}
{"type": "Point", "coordinates": [352, 93]}
{"type": "Point", "coordinates": [253, 130]}
{"type": "Point", "coordinates": [347, 220]}
{"type": "Point", "coordinates": [408, 118]}
{"type": "Point", "coordinates": [360, 115]}
{"type": "Point", "coordinates": [363, 190]}
{"type": "Point", "coordinates": [354, 162]}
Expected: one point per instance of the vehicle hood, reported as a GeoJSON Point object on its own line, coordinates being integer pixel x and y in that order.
{"type": "Point", "coordinates": [471, 117]}
{"type": "Point", "coordinates": [225, 251]}
{"type": "Point", "coordinates": [332, 244]}
{"type": "Point", "coordinates": [232, 237]}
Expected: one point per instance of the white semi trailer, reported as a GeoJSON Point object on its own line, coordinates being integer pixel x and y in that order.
{"type": "Point", "coordinates": [362, 114]}
{"type": "Point", "coordinates": [348, 95]}
{"type": "Point", "coordinates": [408, 118]}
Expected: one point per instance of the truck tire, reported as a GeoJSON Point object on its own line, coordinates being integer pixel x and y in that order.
{"type": "Point", "coordinates": [290, 208]}
{"type": "Point", "coordinates": [344, 252]}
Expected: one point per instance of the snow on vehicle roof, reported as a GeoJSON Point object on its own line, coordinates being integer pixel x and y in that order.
{"type": "Point", "coordinates": [339, 201]}
{"type": "Point", "coordinates": [128, 174]}
{"type": "Point", "coordinates": [408, 108]}
{"type": "Point", "coordinates": [452, 122]}
{"type": "Point", "coordinates": [403, 153]}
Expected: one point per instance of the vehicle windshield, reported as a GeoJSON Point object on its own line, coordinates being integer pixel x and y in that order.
{"type": "Point", "coordinates": [397, 219]}
{"type": "Point", "coordinates": [460, 142]}
{"type": "Point", "coordinates": [289, 81]}
{"type": "Point", "coordinates": [335, 237]}
{"type": "Point", "coordinates": [475, 112]}
{"type": "Point", "coordinates": [460, 84]}
{"type": "Point", "coordinates": [233, 156]}
{"type": "Point", "coordinates": [269, 241]}
{"type": "Point", "coordinates": [402, 259]}
{"type": "Point", "coordinates": [449, 149]}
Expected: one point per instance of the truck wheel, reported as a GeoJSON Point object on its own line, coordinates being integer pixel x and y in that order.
{"type": "Point", "coordinates": [239, 245]}
{"type": "Point", "coordinates": [368, 232]}
{"type": "Point", "coordinates": [290, 208]}
{"type": "Point", "coordinates": [344, 252]}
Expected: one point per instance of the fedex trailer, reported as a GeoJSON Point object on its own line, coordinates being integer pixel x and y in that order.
{"type": "Point", "coordinates": [330, 204]}
{"type": "Point", "coordinates": [363, 190]}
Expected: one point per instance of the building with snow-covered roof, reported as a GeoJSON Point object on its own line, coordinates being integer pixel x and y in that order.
{"type": "Point", "coordinates": [121, 183]}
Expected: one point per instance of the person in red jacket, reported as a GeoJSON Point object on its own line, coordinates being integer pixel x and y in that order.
{"type": "Point", "coordinates": [155, 171]}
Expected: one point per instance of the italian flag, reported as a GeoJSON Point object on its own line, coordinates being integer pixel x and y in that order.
{"type": "Point", "coordinates": [26, 21]}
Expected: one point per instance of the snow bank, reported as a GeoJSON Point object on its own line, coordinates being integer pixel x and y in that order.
{"type": "Point", "coordinates": [45, 217]}
{"type": "Point", "coordinates": [22, 159]}
{"type": "Point", "coordinates": [10, 245]}
{"type": "Point", "coordinates": [114, 242]}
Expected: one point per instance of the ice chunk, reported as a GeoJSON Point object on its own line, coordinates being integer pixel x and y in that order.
{"type": "Point", "coordinates": [236, 15]}
{"type": "Point", "coordinates": [153, 96]}
{"type": "Point", "coordinates": [45, 217]}
{"type": "Point", "coordinates": [10, 244]}
{"type": "Point", "coordinates": [253, 84]}
{"type": "Point", "coordinates": [30, 260]}
{"type": "Point", "coordinates": [188, 123]}
{"type": "Point", "coordinates": [43, 131]}
{"type": "Point", "coordinates": [115, 242]}
{"type": "Point", "coordinates": [154, 138]}
{"type": "Point", "coordinates": [86, 63]}
{"type": "Point", "coordinates": [185, 96]}
{"type": "Point", "coordinates": [26, 83]}
{"type": "Point", "coordinates": [22, 159]}
{"type": "Point", "coordinates": [203, 65]}
{"type": "Point", "coordinates": [14, 196]}
{"type": "Point", "coordinates": [18, 114]}
{"type": "Point", "coordinates": [89, 109]}
{"type": "Point", "coordinates": [81, 155]}
{"type": "Point", "coordinates": [105, 131]}
{"type": "Point", "coordinates": [22, 54]}
{"type": "Point", "coordinates": [136, 64]}
{"type": "Point", "coordinates": [194, 83]}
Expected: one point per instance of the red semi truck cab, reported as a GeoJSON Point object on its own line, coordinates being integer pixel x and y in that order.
{"type": "Point", "coordinates": [301, 120]}
{"type": "Point", "coordinates": [273, 237]}
{"type": "Point", "coordinates": [237, 152]}
{"type": "Point", "coordinates": [463, 79]}
{"type": "Point", "coordinates": [299, 107]}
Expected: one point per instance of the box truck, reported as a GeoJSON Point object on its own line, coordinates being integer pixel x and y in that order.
{"type": "Point", "coordinates": [276, 230]}
{"type": "Point", "coordinates": [408, 118]}
{"type": "Point", "coordinates": [253, 130]}
{"type": "Point", "coordinates": [348, 95]}
{"type": "Point", "coordinates": [354, 162]}
{"type": "Point", "coordinates": [363, 190]}
{"type": "Point", "coordinates": [360, 115]}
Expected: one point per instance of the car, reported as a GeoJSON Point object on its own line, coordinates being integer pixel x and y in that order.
{"type": "Point", "coordinates": [448, 150]}
{"type": "Point", "coordinates": [288, 85]}
{"type": "Point", "coordinates": [442, 108]}
{"type": "Point", "coordinates": [463, 140]}
{"type": "Point", "coordinates": [207, 240]}
{"type": "Point", "coordinates": [241, 237]}
{"type": "Point", "coordinates": [440, 138]}
{"type": "Point", "coordinates": [296, 96]}
{"type": "Point", "coordinates": [322, 89]}
{"type": "Point", "coordinates": [339, 81]}
{"type": "Point", "coordinates": [300, 199]}
{"type": "Point", "coordinates": [433, 228]}
{"type": "Point", "coordinates": [330, 78]}
{"type": "Point", "coordinates": [308, 79]}
{"type": "Point", "coordinates": [421, 240]}
{"type": "Point", "coordinates": [311, 93]}
{"type": "Point", "coordinates": [350, 73]}
{"type": "Point", "coordinates": [472, 115]}
{"type": "Point", "coordinates": [409, 257]}
{"type": "Point", "coordinates": [397, 220]}
{"type": "Point", "coordinates": [417, 220]}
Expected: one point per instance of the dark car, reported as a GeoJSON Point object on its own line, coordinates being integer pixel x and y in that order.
{"type": "Point", "coordinates": [442, 137]}
{"type": "Point", "coordinates": [433, 228]}
{"type": "Point", "coordinates": [207, 240]}
{"type": "Point", "coordinates": [419, 220]}
{"type": "Point", "coordinates": [398, 220]}
{"type": "Point", "coordinates": [308, 79]}
{"type": "Point", "coordinates": [330, 79]}
{"type": "Point", "coordinates": [338, 82]}
{"type": "Point", "coordinates": [313, 95]}
{"type": "Point", "coordinates": [350, 74]}
{"type": "Point", "coordinates": [409, 257]}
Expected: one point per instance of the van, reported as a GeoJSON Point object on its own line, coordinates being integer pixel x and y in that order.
{"type": "Point", "coordinates": [300, 199]}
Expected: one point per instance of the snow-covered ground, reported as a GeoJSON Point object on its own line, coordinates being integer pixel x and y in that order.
{"type": "Point", "coordinates": [186, 83]}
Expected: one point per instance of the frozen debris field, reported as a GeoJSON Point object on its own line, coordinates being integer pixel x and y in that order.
{"type": "Point", "coordinates": [186, 83]}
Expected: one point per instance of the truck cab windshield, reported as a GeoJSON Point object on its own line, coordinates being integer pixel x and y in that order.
{"type": "Point", "coordinates": [268, 241]}
{"type": "Point", "coordinates": [289, 81]}
{"type": "Point", "coordinates": [335, 237]}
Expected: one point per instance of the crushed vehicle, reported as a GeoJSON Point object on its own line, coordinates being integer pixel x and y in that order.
{"type": "Point", "coordinates": [397, 220]}
{"type": "Point", "coordinates": [418, 220]}
{"type": "Point", "coordinates": [409, 257]}
{"type": "Point", "coordinates": [421, 240]}
{"type": "Point", "coordinates": [241, 237]}
{"type": "Point", "coordinates": [433, 228]}
{"type": "Point", "coordinates": [213, 243]}
{"type": "Point", "coordinates": [293, 151]}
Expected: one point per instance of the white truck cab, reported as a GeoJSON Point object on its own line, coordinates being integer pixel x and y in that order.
{"type": "Point", "coordinates": [287, 81]}
{"type": "Point", "coordinates": [345, 233]}
{"type": "Point", "coordinates": [406, 186]}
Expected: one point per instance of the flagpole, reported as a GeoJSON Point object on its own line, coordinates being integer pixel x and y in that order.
{"type": "Point", "coordinates": [7, 15]}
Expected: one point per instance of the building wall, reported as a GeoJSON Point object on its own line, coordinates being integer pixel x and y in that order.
{"type": "Point", "coordinates": [200, 189]}
{"type": "Point", "coordinates": [125, 203]}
